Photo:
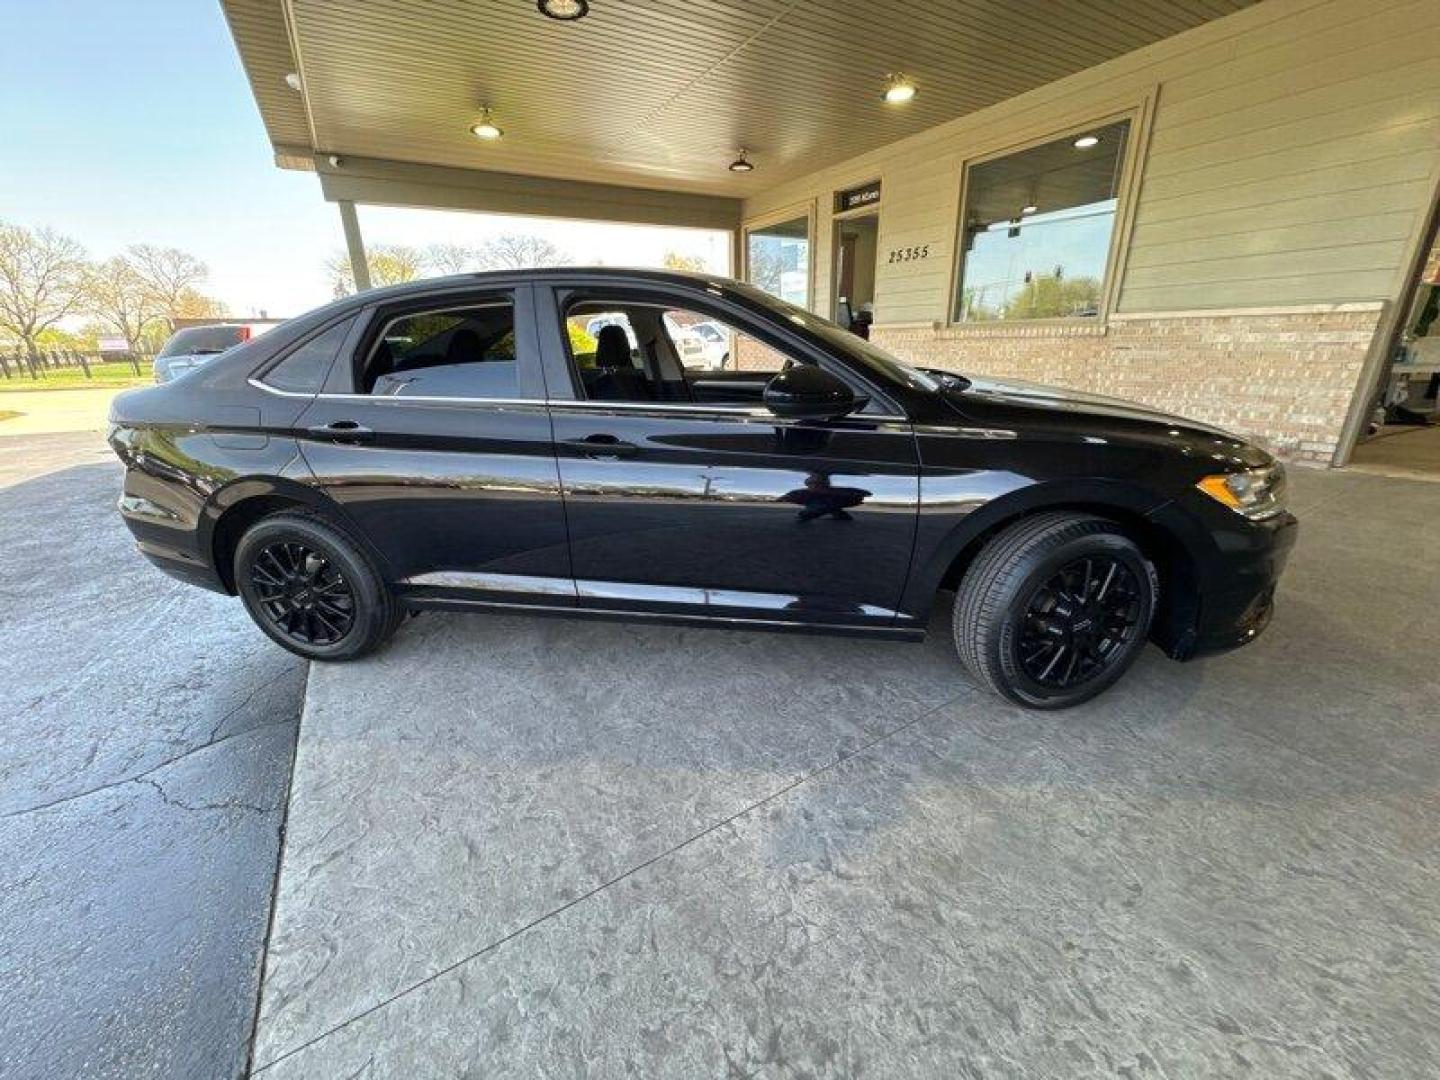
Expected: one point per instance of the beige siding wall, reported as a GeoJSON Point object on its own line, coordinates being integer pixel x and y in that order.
{"type": "Point", "coordinates": [1292, 154]}
{"type": "Point", "coordinates": [1293, 150]}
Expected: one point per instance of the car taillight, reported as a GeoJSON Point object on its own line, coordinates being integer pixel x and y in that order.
{"type": "Point", "coordinates": [244, 335]}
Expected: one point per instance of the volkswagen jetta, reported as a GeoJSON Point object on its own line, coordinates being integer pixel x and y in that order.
{"type": "Point", "coordinates": [470, 443]}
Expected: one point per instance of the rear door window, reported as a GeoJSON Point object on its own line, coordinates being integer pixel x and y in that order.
{"type": "Point", "coordinates": [465, 352]}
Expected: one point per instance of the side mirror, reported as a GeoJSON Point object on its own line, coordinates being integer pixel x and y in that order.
{"type": "Point", "coordinates": [808, 392]}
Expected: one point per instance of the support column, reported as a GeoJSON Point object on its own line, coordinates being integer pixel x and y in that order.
{"type": "Point", "coordinates": [354, 245]}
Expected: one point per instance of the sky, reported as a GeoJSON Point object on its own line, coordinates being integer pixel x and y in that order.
{"type": "Point", "coordinates": [135, 124]}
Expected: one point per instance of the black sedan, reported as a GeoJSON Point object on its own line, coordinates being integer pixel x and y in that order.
{"type": "Point", "coordinates": [534, 440]}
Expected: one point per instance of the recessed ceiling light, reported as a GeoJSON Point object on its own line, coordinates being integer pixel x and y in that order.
{"type": "Point", "coordinates": [742, 163]}
{"type": "Point", "coordinates": [1029, 209]}
{"type": "Point", "coordinates": [1084, 142]}
{"type": "Point", "coordinates": [564, 10]}
{"type": "Point", "coordinates": [486, 128]}
{"type": "Point", "coordinates": [898, 89]}
{"type": "Point", "coordinates": [292, 80]}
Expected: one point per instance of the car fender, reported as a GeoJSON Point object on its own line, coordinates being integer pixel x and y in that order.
{"type": "Point", "coordinates": [293, 483]}
{"type": "Point", "coordinates": [959, 510]}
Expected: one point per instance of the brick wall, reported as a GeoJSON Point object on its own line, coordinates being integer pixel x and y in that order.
{"type": "Point", "coordinates": [1287, 377]}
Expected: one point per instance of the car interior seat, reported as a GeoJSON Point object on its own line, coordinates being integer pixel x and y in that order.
{"type": "Point", "coordinates": [616, 378]}
{"type": "Point", "coordinates": [464, 347]}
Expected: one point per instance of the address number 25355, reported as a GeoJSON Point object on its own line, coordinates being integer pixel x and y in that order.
{"type": "Point", "coordinates": [909, 254]}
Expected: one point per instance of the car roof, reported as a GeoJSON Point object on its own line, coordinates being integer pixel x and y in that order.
{"type": "Point", "coordinates": [689, 278]}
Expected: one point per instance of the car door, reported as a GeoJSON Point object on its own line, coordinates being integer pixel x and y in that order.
{"type": "Point", "coordinates": [722, 508]}
{"type": "Point", "coordinates": [435, 441]}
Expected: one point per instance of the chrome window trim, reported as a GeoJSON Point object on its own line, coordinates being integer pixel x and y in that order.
{"type": "Point", "coordinates": [415, 399]}
{"type": "Point", "coordinates": [259, 385]}
{"type": "Point", "coordinates": [570, 403]}
{"type": "Point", "coordinates": [758, 411]}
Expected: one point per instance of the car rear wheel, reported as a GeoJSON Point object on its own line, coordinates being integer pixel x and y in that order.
{"type": "Point", "coordinates": [312, 589]}
{"type": "Point", "coordinates": [1054, 609]}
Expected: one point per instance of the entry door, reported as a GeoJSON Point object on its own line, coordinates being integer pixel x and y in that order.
{"type": "Point", "coordinates": [437, 444]}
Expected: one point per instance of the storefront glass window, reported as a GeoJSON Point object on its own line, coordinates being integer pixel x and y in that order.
{"type": "Point", "coordinates": [1037, 228]}
{"type": "Point", "coordinates": [777, 258]}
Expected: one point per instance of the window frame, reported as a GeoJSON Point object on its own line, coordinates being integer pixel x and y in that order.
{"type": "Point", "coordinates": [449, 309]}
{"type": "Point", "coordinates": [564, 294]}
{"type": "Point", "coordinates": [1140, 114]}
{"type": "Point", "coordinates": [260, 375]}
{"type": "Point", "coordinates": [775, 217]}
{"type": "Point", "coordinates": [344, 379]}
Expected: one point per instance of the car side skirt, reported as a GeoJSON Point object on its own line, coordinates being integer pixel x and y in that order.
{"type": "Point", "coordinates": [430, 602]}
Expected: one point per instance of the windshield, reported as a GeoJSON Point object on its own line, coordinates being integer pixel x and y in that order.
{"type": "Point", "coordinates": [197, 340]}
{"type": "Point", "coordinates": [868, 356]}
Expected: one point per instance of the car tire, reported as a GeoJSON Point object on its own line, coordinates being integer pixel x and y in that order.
{"type": "Point", "coordinates": [1054, 609]}
{"type": "Point", "coordinates": [311, 587]}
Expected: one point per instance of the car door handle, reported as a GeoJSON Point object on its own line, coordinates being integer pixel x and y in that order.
{"type": "Point", "coordinates": [602, 446]}
{"type": "Point", "coordinates": [347, 431]}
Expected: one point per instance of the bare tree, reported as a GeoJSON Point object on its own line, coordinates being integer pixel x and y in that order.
{"type": "Point", "coordinates": [42, 280]}
{"type": "Point", "coordinates": [190, 304]}
{"type": "Point", "coordinates": [767, 269]}
{"type": "Point", "coordinates": [450, 258]}
{"type": "Point", "coordinates": [390, 264]}
{"type": "Point", "coordinates": [119, 295]}
{"type": "Point", "coordinates": [519, 251]}
{"type": "Point", "coordinates": [168, 273]}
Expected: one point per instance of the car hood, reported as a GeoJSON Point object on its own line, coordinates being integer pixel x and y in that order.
{"type": "Point", "coordinates": [1190, 436]}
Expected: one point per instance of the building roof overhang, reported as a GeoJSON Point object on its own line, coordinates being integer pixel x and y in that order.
{"type": "Point", "coordinates": [644, 96]}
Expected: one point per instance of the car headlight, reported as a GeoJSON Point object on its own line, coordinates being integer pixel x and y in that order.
{"type": "Point", "coordinates": [1256, 493]}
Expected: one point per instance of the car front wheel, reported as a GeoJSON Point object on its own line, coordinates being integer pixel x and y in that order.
{"type": "Point", "coordinates": [1054, 609]}
{"type": "Point", "coordinates": [312, 589]}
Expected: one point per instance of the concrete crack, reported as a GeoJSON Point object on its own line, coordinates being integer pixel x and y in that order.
{"type": "Point", "coordinates": [179, 804]}
{"type": "Point", "coordinates": [145, 772]}
{"type": "Point", "coordinates": [215, 731]}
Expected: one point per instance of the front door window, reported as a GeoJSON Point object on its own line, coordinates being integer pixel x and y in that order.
{"type": "Point", "coordinates": [633, 351]}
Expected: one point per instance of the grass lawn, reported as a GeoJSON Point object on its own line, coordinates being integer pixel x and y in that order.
{"type": "Point", "coordinates": [116, 373]}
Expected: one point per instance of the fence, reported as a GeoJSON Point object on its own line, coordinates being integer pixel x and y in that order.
{"type": "Point", "coordinates": [40, 365]}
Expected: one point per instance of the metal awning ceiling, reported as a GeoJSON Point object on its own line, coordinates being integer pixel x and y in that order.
{"type": "Point", "coordinates": [660, 93]}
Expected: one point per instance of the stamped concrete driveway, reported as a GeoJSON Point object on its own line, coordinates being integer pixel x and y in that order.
{"type": "Point", "coordinates": [520, 848]}
{"type": "Point", "coordinates": [146, 734]}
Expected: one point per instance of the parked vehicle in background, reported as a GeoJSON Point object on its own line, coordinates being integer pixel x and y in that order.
{"type": "Point", "coordinates": [456, 444]}
{"type": "Point", "coordinates": [715, 343]}
{"type": "Point", "coordinates": [196, 345]}
{"type": "Point", "coordinates": [689, 346]}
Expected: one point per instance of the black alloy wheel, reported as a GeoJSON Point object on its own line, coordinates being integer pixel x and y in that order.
{"type": "Point", "coordinates": [311, 586]}
{"type": "Point", "coordinates": [1078, 621]}
{"type": "Point", "coordinates": [302, 593]}
{"type": "Point", "coordinates": [1054, 609]}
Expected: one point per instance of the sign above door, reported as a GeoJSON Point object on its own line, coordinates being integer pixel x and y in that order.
{"type": "Point", "coordinates": [857, 197]}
